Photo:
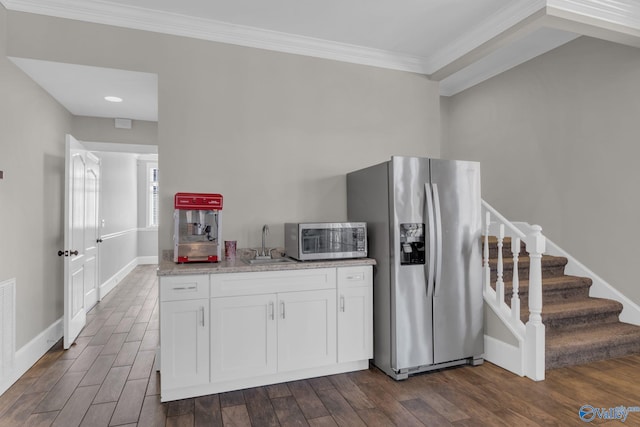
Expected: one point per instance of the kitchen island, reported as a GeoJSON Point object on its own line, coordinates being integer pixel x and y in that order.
{"type": "Point", "coordinates": [230, 325]}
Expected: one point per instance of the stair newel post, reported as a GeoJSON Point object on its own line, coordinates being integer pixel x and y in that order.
{"type": "Point", "coordinates": [515, 297]}
{"type": "Point", "coordinates": [535, 331]}
{"type": "Point", "coordinates": [499, 281]}
{"type": "Point", "coordinates": [487, 268]}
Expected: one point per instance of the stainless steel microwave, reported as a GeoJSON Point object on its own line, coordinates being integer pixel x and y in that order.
{"type": "Point", "coordinates": [325, 240]}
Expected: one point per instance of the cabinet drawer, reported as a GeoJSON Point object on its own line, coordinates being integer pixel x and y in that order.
{"type": "Point", "coordinates": [238, 284]}
{"type": "Point", "coordinates": [354, 276]}
{"type": "Point", "coordinates": [175, 288]}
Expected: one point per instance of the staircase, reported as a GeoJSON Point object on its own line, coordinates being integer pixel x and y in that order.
{"type": "Point", "coordinates": [579, 329]}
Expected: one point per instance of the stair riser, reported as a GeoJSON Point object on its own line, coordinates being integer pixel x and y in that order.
{"type": "Point", "coordinates": [506, 252]}
{"type": "Point", "coordinates": [583, 320]}
{"type": "Point", "coordinates": [549, 296]}
{"type": "Point", "coordinates": [523, 272]}
{"type": "Point", "coordinates": [565, 358]}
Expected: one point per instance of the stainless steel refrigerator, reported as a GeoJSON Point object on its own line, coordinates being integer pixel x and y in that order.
{"type": "Point", "coordinates": [424, 230]}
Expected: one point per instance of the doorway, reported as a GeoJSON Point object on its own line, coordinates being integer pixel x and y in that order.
{"type": "Point", "coordinates": [116, 207]}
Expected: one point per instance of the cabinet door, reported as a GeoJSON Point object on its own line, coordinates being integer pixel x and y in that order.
{"type": "Point", "coordinates": [306, 329]}
{"type": "Point", "coordinates": [243, 337]}
{"type": "Point", "coordinates": [355, 324]}
{"type": "Point", "coordinates": [184, 341]}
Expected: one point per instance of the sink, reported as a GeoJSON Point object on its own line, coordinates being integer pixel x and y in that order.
{"type": "Point", "coordinates": [268, 261]}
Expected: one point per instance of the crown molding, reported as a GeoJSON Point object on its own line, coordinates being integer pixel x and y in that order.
{"type": "Point", "coordinates": [510, 56]}
{"type": "Point", "coordinates": [104, 12]}
{"type": "Point", "coordinates": [503, 20]}
{"type": "Point", "coordinates": [625, 13]}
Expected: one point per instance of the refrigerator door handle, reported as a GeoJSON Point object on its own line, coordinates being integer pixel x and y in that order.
{"type": "Point", "coordinates": [438, 215]}
{"type": "Point", "coordinates": [432, 243]}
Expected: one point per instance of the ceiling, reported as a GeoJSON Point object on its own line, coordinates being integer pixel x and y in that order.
{"type": "Point", "coordinates": [81, 89]}
{"type": "Point", "coordinates": [458, 43]}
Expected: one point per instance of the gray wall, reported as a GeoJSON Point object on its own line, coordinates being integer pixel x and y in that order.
{"type": "Point", "coordinates": [274, 133]}
{"type": "Point", "coordinates": [32, 131]}
{"type": "Point", "coordinates": [98, 129]}
{"type": "Point", "coordinates": [558, 141]}
{"type": "Point", "coordinates": [147, 236]}
{"type": "Point", "coordinates": [119, 211]}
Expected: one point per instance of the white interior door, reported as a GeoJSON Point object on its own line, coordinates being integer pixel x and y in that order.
{"type": "Point", "coordinates": [91, 230]}
{"type": "Point", "coordinates": [82, 172]}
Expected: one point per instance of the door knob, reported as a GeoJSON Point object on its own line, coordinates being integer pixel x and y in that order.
{"type": "Point", "coordinates": [67, 253]}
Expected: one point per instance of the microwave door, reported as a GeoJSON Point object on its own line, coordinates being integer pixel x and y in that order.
{"type": "Point", "coordinates": [325, 241]}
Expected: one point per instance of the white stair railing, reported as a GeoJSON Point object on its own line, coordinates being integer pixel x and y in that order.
{"type": "Point", "coordinates": [526, 358]}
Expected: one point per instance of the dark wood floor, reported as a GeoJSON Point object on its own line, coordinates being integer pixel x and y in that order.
{"type": "Point", "coordinates": [107, 378]}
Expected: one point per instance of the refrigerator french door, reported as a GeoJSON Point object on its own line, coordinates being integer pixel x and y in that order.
{"type": "Point", "coordinates": [425, 233]}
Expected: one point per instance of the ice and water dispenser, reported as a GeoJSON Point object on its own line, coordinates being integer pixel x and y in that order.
{"type": "Point", "coordinates": [412, 246]}
{"type": "Point", "coordinates": [197, 227]}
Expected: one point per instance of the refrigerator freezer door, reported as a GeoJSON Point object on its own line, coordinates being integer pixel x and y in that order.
{"type": "Point", "coordinates": [412, 333]}
{"type": "Point", "coordinates": [457, 303]}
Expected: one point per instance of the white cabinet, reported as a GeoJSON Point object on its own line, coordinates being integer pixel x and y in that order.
{"type": "Point", "coordinates": [256, 333]}
{"type": "Point", "coordinates": [263, 334]}
{"type": "Point", "coordinates": [229, 331]}
{"type": "Point", "coordinates": [184, 331]}
{"type": "Point", "coordinates": [355, 313]}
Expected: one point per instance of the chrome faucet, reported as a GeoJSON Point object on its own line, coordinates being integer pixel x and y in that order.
{"type": "Point", "coordinates": [264, 253]}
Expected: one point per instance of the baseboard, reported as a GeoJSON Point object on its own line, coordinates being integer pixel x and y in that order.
{"type": "Point", "coordinates": [31, 352]}
{"type": "Point", "coordinates": [144, 260]}
{"type": "Point", "coordinates": [112, 282]}
{"type": "Point", "coordinates": [505, 355]}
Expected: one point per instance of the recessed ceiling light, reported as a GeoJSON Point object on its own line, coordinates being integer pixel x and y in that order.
{"type": "Point", "coordinates": [113, 98]}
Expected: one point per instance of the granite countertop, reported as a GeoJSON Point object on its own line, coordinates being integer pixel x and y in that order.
{"type": "Point", "coordinates": [168, 267]}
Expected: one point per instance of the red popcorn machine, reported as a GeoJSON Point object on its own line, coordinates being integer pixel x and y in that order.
{"type": "Point", "coordinates": [197, 234]}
